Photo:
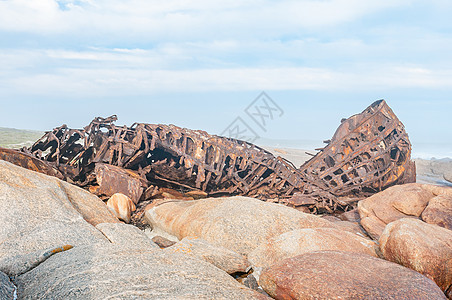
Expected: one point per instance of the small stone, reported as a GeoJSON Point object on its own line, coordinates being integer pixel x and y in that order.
{"type": "Point", "coordinates": [197, 194]}
{"type": "Point", "coordinates": [121, 206]}
{"type": "Point", "coordinates": [162, 242]}
{"type": "Point", "coordinates": [251, 282]}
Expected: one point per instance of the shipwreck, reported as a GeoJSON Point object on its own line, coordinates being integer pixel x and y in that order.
{"type": "Point", "coordinates": [369, 152]}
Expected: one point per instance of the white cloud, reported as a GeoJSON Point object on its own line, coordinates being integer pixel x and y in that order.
{"type": "Point", "coordinates": [215, 45]}
{"type": "Point", "coordinates": [124, 72]}
{"type": "Point", "coordinates": [182, 19]}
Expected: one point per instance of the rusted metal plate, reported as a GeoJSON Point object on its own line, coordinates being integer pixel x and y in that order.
{"type": "Point", "coordinates": [29, 162]}
{"type": "Point", "coordinates": [112, 180]}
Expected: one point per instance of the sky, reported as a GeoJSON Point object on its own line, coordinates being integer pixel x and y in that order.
{"type": "Point", "coordinates": [201, 64]}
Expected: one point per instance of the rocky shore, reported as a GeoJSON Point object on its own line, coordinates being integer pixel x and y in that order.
{"type": "Point", "coordinates": [61, 242]}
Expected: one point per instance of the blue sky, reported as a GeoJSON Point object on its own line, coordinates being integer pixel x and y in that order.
{"type": "Point", "coordinates": [200, 63]}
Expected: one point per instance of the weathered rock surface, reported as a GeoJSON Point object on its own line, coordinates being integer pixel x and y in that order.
{"type": "Point", "coordinates": [300, 241]}
{"type": "Point", "coordinates": [112, 271]}
{"type": "Point", "coordinates": [121, 206]}
{"type": "Point", "coordinates": [126, 235]}
{"type": "Point", "coordinates": [222, 258]}
{"type": "Point", "coordinates": [7, 289]}
{"type": "Point", "coordinates": [439, 211]}
{"type": "Point", "coordinates": [352, 227]}
{"type": "Point", "coordinates": [239, 224]}
{"type": "Point", "coordinates": [92, 209]}
{"type": "Point", "coordinates": [448, 176]}
{"type": "Point", "coordinates": [422, 247]}
{"type": "Point", "coordinates": [38, 212]}
{"type": "Point", "coordinates": [351, 216]}
{"type": "Point", "coordinates": [20, 264]}
{"type": "Point", "coordinates": [405, 201]}
{"type": "Point", "coordinates": [345, 275]}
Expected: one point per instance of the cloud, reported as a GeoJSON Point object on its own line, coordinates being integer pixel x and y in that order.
{"type": "Point", "coordinates": [128, 72]}
{"type": "Point", "coordinates": [99, 47]}
{"type": "Point", "coordinates": [177, 19]}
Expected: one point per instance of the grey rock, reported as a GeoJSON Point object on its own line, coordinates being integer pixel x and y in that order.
{"type": "Point", "coordinates": [220, 257]}
{"type": "Point", "coordinates": [126, 235]}
{"type": "Point", "coordinates": [448, 176]}
{"type": "Point", "coordinates": [239, 224]}
{"type": "Point", "coordinates": [37, 213]}
{"type": "Point", "coordinates": [251, 282]}
{"type": "Point", "coordinates": [113, 271]}
{"type": "Point", "coordinates": [20, 264]}
{"type": "Point", "coordinates": [433, 171]}
{"type": "Point", "coordinates": [7, 289]}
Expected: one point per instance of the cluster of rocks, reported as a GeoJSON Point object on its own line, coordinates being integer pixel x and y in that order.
{"type": "Point", "coordinates": [61, 242]}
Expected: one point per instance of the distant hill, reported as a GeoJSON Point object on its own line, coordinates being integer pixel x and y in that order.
{"type": "Point", "coordinates": [16, 138]}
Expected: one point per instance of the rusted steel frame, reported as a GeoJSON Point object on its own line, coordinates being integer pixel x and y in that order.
{"type": "Point", "coordinates": [232, 166]}
{"type": "Point", "coordinates": [381, 123]}
{"type": "Point", "coordinates": [232, 170]}
{"type": "Point", "coordinates": [364, 148]}
{"type": "Point", "coordinates": [344, 189]}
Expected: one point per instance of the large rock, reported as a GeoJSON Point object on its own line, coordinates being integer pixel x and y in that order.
{"type": "Point", "coordinates": [345, 275]}
{"type": "Point", "coordinates": [126, 235]}
{"type": "Point", "coordinates": [7, 289]}
{"type": "Point", "coordinates": [296, 242]}
{"type": "Point", "coordinates": [404, 201]}
{"type": "Point", "coordinates": [112, 271]}
{"type": "Point", "coordinates": [220, 257]}
{"type": "Point", "coordinates": [422, 247]}
{"type": "Point", "coordinates": [38, 212]}
{"type": "Point", "coordinates": [236, 223]}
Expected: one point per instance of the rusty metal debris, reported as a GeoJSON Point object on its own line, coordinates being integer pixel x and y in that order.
{"type": "Point", "coordinates": [369, 152]}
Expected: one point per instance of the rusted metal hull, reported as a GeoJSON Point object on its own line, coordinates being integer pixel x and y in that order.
{"type": "Point", "coordinates": [369, 152]}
